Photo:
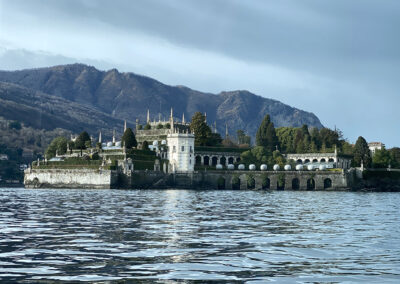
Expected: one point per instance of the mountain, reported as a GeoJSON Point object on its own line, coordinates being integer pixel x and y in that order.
{"type": "Point", "coordinates": [98, 99]}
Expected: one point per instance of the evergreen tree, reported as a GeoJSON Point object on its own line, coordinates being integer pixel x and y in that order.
{"type": "Point", "coordinates": [202, 132]}
{"type": "Point", "coordinates": [80, 142]}
{"type": "Point", "coordinates": [266, 135]}
{"type": "Point", "coordinates": [129, 139]}
{"type": "Point", "coordinates": [145, 145]}
{"type": "Point", "coordinates": [362, 153]}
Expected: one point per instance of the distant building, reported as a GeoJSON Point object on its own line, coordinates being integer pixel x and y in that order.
{"type": "Point", "coordinates": [330, 160]}
{"type": "Point", "coordinates": [3, 157]}
{"type": "Point", "coordinates": [373, 146]}
{"type": "Point", "coordinates": [159, 129]}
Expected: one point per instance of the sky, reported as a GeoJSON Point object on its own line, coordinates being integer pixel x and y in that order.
{"type": "Point", "coordinates": [338, 59]}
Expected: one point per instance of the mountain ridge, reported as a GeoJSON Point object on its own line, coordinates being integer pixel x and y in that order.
{"type": "Point", "coordinates": [128, 95]}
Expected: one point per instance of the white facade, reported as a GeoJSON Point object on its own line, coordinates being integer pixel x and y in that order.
{"type": "Point", "coordinates": [373, 146]}
{"type": "Point", "coordinates": [181, 152]}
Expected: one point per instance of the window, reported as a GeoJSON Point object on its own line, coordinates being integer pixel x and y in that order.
{"type": "Point", "coordinates": [174, 149]}
{"type": "Point", "coordinates": [191, 150]}
{"type": "Point", "coordinates": [183, 148]}
{"type": "Point", "coordinates": [190, 161]}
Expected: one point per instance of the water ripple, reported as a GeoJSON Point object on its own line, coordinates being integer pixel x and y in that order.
{"type": "Point", "coordinates": [183, 235]}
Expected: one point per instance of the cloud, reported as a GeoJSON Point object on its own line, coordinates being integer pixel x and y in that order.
{"type": "Point", "coordinates": [338, 59]}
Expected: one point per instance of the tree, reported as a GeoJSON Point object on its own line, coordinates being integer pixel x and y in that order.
{"type": "Point", "coordinates": [381, 158]}
{"type": "Point", "coordinates": [58, 145]}
{"type": "Point", "coordinates": [145, 145]}
{"type": "Point", "coordinates": [395, 153]}
{"type": "Point", "coordinates": [362, 153]}
{"type": "Point", "coordinates": [202, 131]}
{"type": "Point", "coordinates": [80, 142]}
{"type": "Point", "coordinates": [129, 139]}
{"type": "Point", "coordinates": [266, 135]}
{"type": "Point", "coordinates": [147, 127]}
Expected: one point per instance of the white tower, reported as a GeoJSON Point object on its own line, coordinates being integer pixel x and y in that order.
{"type": "Point", "coordinates": [124, 126]}
{"type": "Point", "coordinates": [181, 152]}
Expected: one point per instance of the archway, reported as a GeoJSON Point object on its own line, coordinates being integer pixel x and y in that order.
{"type": "Point", "coordinates": [206, 160]}
{"type": "Point", "coordinates": [251, 182]}
{"type": "Point", "coordinates": [214, 161]}
{"type": "Point", "coordinates": [221, 183]}
{"type": "Point", "coordinates": [230, 160]}
{"type": "Point", "coordinates": [237, 160]}
{"type": "Point", "coordinates": [306, 161]}
{"type": "Point", "coordinates": [295, 183]}
{"type": "Point", "coordinates": [323, 160]}
{"type": "Point", "coordinates": [331, 160]}
{"type": "Point", "coordinates": [198, 160]}
{"type": "Point", "coordinates": [222, 161]}
{"type": "Point", "coordinates": [235, 182]}
{"type": "Point", "coordinates": [315, 161]}
{"type": "Point", "coordinates": [299, 161]}
{"type": "Point", "coordinates": [327, 183]}
{"type": "Point", "coordinates": [310, 184]}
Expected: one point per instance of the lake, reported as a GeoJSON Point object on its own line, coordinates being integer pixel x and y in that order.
{"type": "Point", "coordinates": [193, 236]}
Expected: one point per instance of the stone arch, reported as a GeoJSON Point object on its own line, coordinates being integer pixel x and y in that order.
{"type": "Point", "coordinates": [331, 160]}
{"type": "Point", "coordinates": [306, 161]}
{"type": "Point", "coordinates": [327, 183]}
{"type": "Point", "coordinates": [222, 161]}
{"type": "Point", "coordinates": [237, 159]}
{"type": "Point", "coordinates": [206, 160]}
{"type": "Point", "coordinates": [295, 183]}
{"type": "Point", "coordinates": [214, 161]}
{"type": "Point", "coordinates": [251, 182]}
{"type": "Point", "coordinates": [36, 182]}
{"type": "Point", "coordinates": [230, 160]}
{"type": "Point", "coordinates": [221, 182]}
{"type": "Point", "coordinates": [315, 160]}
{"type": "Point", "coordinates": [299, 161]}
{"type": "Point", "coordinates": [310, 184]}
{"type": "Point", "coordinates": [235, 182]}
{"type": "Point", "coordinates": [198, 160]}
{"type": "Point", "coordinates": [322, 160]}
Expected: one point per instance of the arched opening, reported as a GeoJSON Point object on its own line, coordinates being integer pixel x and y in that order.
{"type": "Point", "coordinates": [327, 183]}
{"type": "Point", "coordinates": [235, 182]}
{"type": "Point", "coordinates": [306, 161]}
{"type": "Point", "coordinates": [222, 161]}
{"type": "Point", "coordinates": [295, 183]}
{"type": "Point", "coordinates": [251, 182]}
{"type": "Point", "coordinates": [221, 183]}
{"type": "Point", "coordinates": [266, 183]}
{"type": "Point", "coordinates": [198, 160]}
{"type": "Point", "coordinates": [214, 161]}
{"type": "Point", "coordinates": [315, 161]}
{"type": "Point", "coordinates": [237, 160]}
{"type": "Point", "coordinates": [206, 160]}
{"type": "Point", "coordinates": [299, 161]}
{"type": "Point", "coordinates": [331, 160]}
{"type": "Point", "coordinates": [230, 160]}
{"type": "Point", "coordinates": [323, 160]}
{"type": "Point", "coordinates": [310, 184]}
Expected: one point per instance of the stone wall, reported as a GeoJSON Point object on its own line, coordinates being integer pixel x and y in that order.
{"type": "Point", "coordinates": [70, 178]}
{"type": "Point", "coordinates": [292, 180]}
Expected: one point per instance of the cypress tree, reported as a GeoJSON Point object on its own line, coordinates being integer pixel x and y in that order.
{"type": "Point", "coordinates": [362, 153]}
{"type": "Point", "coordinates": [266, 135]}
{"type": "Point", "coordinates": [129, 139]}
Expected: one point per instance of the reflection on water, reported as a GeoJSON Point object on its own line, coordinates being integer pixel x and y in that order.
{"type": "Point", "coordinates": [251, 236]}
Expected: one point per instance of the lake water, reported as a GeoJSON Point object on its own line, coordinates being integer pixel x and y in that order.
{"type": "Point", "coordinates": [190, 236]}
